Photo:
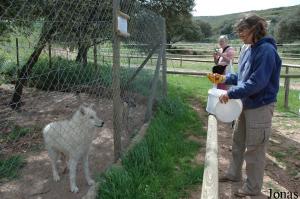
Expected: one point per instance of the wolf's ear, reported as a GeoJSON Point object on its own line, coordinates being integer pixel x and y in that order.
{"type": "Point", "coordinates": [92, 106]}
{"type": "Point", "coordinates": [82, 111]}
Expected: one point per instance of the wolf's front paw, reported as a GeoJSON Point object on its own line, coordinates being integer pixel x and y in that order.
{"type": "Point", "coordinates": [91, 182]}
{"type": "Point", "coordinates": [56, 177]}
{"type": "Point", "coordinates": [74, 189]}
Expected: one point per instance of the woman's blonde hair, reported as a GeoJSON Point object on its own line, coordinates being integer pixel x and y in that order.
{"type": "Point", "coordinates": [255, 23]}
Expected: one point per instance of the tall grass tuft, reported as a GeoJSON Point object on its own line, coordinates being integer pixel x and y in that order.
{"type": "Point", "coordinates": [9, 167]}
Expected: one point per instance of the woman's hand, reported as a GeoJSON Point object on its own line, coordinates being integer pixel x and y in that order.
{"type": "Point", "coordinates": [219, 54]}
{"type": "Point", "coordinates": [224, 98]}
{"type": "Point", "coordinates": [215, 56]}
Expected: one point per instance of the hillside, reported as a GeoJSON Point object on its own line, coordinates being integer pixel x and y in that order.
{"type": "Point", "coordinates": [274, 14]}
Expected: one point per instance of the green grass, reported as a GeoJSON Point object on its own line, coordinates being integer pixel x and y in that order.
{"type": "Point", "coordinates": [160, 166]}
{"type": "Point", "coordinates": [198, 87]}
{"type": "Point", "coordinates": [9, 167]}
{"type": "Point", "coordinates": [294, 101]}
{"type": "Point", "coordinates": [15, 134]}
{"type": "Point", "coordinates": [279, 155]}
{"type": "Point", "coordinates": [173, 65]}
{"type": "Point", "coordinates": [190, 87]}
{"type": "Point", "coordinates": [69, 75]}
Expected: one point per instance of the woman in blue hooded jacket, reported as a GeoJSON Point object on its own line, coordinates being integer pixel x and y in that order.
{"type": "Point", "coordinates": [257, 85]}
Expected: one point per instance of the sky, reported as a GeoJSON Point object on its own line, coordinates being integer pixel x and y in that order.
{"type": "Point", "coordinates": [221, 7]}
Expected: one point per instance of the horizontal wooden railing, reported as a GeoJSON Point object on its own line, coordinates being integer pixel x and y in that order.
{"type": "Point", "coordinates": [193, 58]}
{"type": "Point", "coordinates": [210, 185]}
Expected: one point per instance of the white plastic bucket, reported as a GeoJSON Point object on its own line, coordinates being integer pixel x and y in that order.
{"type": "Point", "coordinates": [224, 112]}
{"type": "Point", "coordinates": [213, 99]}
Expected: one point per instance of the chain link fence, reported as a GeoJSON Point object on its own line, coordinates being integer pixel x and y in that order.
{"type": "Point", "coordinates": [56, 66]}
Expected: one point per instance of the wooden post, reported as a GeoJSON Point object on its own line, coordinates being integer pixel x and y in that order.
{"type": "Point", "coordinates": [181, 62]}
{"type": "Point", "coordinates": [129, 61]}
{"type": "Point", "coordinates": [68, 53]}
{"type": "Point", "coordinates": [50, 56]}
{"type": "Point", "coordinates": [116, 83]}
{"type": "Point", "coordinates": [210, 186]}
{"type": "Point", "coordinates": [17, 51]}
{"type": "Point", "coordinates": [164, 61]}
{"type": "Point", "coordinates": [103, 60]}
{"type": "Point", "coordinates": [290, 75]}
{"type": "Point", "coordinates": [153, 87]}
{"type": "Point", "coordinates": [287, 88]}
{"type": "Point", "coordinates": [95, 53]}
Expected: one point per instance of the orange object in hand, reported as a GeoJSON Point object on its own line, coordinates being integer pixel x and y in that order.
{"type": "Point", "coordinates": [216, 78]}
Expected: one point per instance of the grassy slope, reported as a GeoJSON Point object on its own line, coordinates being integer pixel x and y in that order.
{"type": "Point", "coordinates": [161, 165]}
{"type": "Point", "coordinates": [277, 13]}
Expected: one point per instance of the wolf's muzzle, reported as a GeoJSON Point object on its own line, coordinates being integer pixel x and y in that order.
{"type": "Point", "coordinates": [99, 125]}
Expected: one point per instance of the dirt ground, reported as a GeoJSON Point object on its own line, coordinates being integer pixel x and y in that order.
{"type": "Point", "coordinates": [282, 172]}
{"type": "Point", "coordinates": [40, 108]}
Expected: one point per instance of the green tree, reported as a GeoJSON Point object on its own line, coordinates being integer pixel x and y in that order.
{"type": "Point", "coordinates": [149, 23]}
{"type": "Point", "coordinates": [186, 30]}
{"type": "Point", "coordinates": [177, 14]}
{"type": "Point", "coordinates": [272, 23]}
{"type": "Point", "coordinates": [13, 15]}
{"type": "Point", "coordinates": [227, 28]}
{"type": "Point", "coordinates": [288, 28]}
{"type": "Point", "coordinates": [70, 23]}
{"type": "Point", "coordinates": [192, 32]}
{"type": "Point", "coordinates": [205, 28]}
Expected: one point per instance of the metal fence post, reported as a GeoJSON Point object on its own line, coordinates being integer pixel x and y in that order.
{"type": "Point", "coordinates": [17, 51]}
{"type": "Point", "coordinates": [153, 87]}
{"type": "Point", "coordinates": [164, 61]}
{"type": "Point", "coordinates": [95, 53]}
{"type": "Point", "coordinates": [50, 55]}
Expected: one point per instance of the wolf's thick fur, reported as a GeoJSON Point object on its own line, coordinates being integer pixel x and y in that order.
{"type": "Point", "coordinates": [73, 138]}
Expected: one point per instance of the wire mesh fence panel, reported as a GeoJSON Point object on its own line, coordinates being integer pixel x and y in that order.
{"type": "Point", "coordinates": [56, 81]}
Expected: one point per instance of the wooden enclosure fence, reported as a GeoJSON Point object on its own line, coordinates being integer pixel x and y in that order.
{"type": "Point", "coordinates": [210, 185]}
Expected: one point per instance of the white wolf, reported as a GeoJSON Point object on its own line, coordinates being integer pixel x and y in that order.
{"type": "Point", "coordinates": [72, 138]}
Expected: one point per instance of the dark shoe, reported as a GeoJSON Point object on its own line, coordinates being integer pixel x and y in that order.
{"type": "Point", "coordinates": [232, 124]}
{"type": "Point", "coordinates": [227, 179]}
{"type": "Point", "coordinates": [241, 193]}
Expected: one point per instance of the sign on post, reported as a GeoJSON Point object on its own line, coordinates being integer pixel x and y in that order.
{"type": "Point", "coordinates": [123, 24]}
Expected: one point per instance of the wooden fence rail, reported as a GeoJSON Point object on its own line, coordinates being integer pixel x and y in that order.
{"type": "Point", "coordinates": [193, 58]}
{"type": "Point", "coordinates": [210, 185]}
{"type": "Point", "coordinates": [287, 76]}
{"type": "Point", "coordinates": [186, 58]}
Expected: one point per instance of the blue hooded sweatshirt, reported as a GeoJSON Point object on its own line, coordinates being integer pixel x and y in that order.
{"type": "Point", "coordinates": [257, 82]}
